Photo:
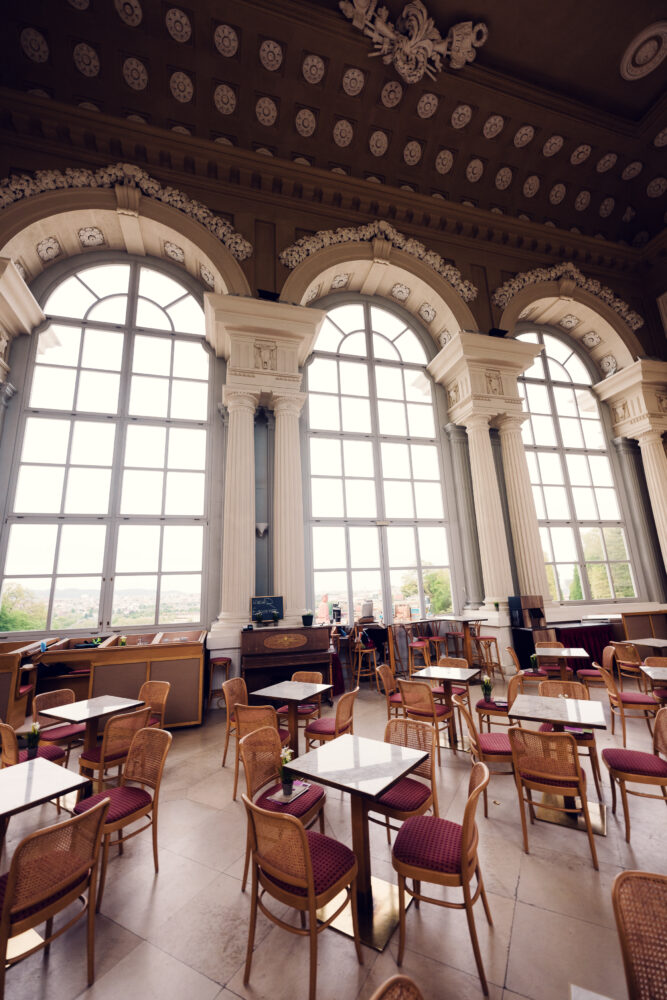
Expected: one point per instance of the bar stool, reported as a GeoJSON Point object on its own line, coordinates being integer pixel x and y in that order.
{"type": "Point", "coordinates": [366, 659]}
{"type": "Point", "coordinates": [224, 662]}
{"type": "Point", "coordinates": [399, 666]}
{"type": "Point", "coordinates": [488, 656]}
{"type": "Point", "coordinates": [417, 645]}
{"type": "Point", "coordinates": [456, 640]}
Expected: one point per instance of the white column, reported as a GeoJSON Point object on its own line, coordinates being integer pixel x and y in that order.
{"type": "Point", "coordinates": [655, 470]}
{"type": "Point", "coordinates": [289, 579]}
{"type": "Point", "coordinates": [523, 515]}
{"type": "Point", "coordinates": [488, 510]}
{"type": "Point", "coordinates": [238, 545]}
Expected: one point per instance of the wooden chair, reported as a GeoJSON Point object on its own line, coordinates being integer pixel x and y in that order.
{"type": "Point", "coordinates": [585, 738]}
{"type": "Point", "coordinates": [658, 692]}
{"type": "Point", "coordinates": [391, 692]}
{"type": "Point", "coordinates": [460, 688]}
{"type": "Point", "coordinates": [486, 654]}
{"type": "Point", "coordinates": [549, 763]}
{"type": "Point", "coordinates": [409, 797]}
{"type": "Point", "coordinates": [628, 704]}
{"type": "Point", "coordinates": [640, 909]}
{"type": "Point", "coordinates": [155, 694]}
{"type": "Point", "coordinates": [591, 676]}
{"type": "Point", "coordinates": [487, 748]}
{"type": "Point", "coordinates": [52, 733]}
{"type": "Point", "coordinates": [419, 703]}
{"type": "Point", "coordinates": [548, 663]}
{"type": "Point", "coordinates": [118, 735]}
{"type": "Point", "coordinates": [639, 768]}
{"type": "Point", "coordinates": [431, 849]}
{"type": "Point", "coordinates": [330, 728]}
{"type": "Point", "coordinates": [309, 710]}
{"type": "Point", "coordinates": [248, 719]}
{"type": "Point", "coordinates": [223, 663]}
{"type": "Point", "coordinates": [51, 870]}
{"type": "Point", "coordinates": [398, 988]}
{"type": "Point", "coordinates": [260, 753]}
{"type": "Point", "coordinates": [365, 658]}
{"type": "Point", "coordinates": [398, 636]}
{"type": "Point", "coordinates": [529, 676]}
{"type": "Point", "coordinates": [235, 693]}
{"type": "Point", "coordinates": [301, 869]}
{"type": "Point", "coordinates": [11, 755]}
{"type": "Point", "coordinates": [492, 711]}
{"type": "Point", "coordinates": [129, 803]}
{"type": "Point", "coordinates": [455, 637]}
{"type": "Point", "coordinates": [628, 663]}
{"type": "Point", "coordinates": [418, 645]}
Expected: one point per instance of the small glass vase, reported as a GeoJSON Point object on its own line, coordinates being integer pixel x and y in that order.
{"type": "Point", "coordinates": [288, 786]}
{"type": "Point", "coordinates": [32, 752]}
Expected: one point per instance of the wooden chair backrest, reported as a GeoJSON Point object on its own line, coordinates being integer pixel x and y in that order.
{"type": "Point", "coordinates": [655, 661]}
{"type": "Point", "coordinates": [251, 717]}
{"type": "Point", "coordinates": [544, 755]}
{"type": "Point", "coordinates": [146, 757]}
{"type": "Point", "coordinates": [235, 692]}
{"type": "Point", "coordinates": [7, 690]}
{"type": "Point", "coordinates": [472, 728]}
{"type": "Point", "coordinates": [660, 733]}
{"type": "Point", "coordinates": [398, 988]}
{"type": "Point", "coordinates": [417, 736]}
{"type": "Point", "coordinates": [417, 696]}
{"type": "Point", "coordinates": [307, 676]}
{"type": "Point", "coordinates": [608, 657]}
{"type": "Point", "coordinates": [120, 730]}
{"type": "Point", "coordinates": [626, 652]}
{"type": "Point", "coordinates": [279, 846]}
{"type": "Point", "coordinates": [387, 679]}
{"type": "Point", "coordinates": [640, 909]}
{"type": "Point", "coordinates": [515, 658]}
{"type": "Point", "coordinates": [260, 753]}
{"type": "Point", "coordinates": [479, 779]}
{"type": "Point", "coordinates": [9, 755]}
{"type": "Point", "coordinates": [570, 689]}
{"type": "Point", "coordinates": [345, 709]}
{"type": "Point", "coordinates": [608, 678]}
{"type": "Point", "coordinates": [454, 662]}
{"type": "Point", "coordinates": [155, 694]}
{"type": "Point", "coordinates": [514, 687]}
{"type": "Point", "coordinates": [50, 699]}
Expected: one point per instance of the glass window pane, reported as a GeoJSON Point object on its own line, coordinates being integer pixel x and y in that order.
{"type": "Point", "coordinates": [102, 349]}
{"type": "Point", "coordinates": [70, 298]}
{"type": "Point", "coordinates": [557, 372]}
{"type": "Point", "coordinates": [420, 420]}
{"type": "Point", "coordinates": [546, 544]}
{"type": "Point", "coordinates": [39, 489]}
{"type": "Point", "coordinates": [556, 348]}
{"type": "Point", "coordinates": [332, 588]}
{"type": "Point", "coordinates": [536, 370]}
{"type": "Point", "coordinates": [323, 412]}
{"type": "Point", "coordinates": [180, 598]}
{"type": "Point", "coordinates": [110, 310]}
{"type": "Point", "coordinates": [401, 546]}
{"type": "Point", "coordinates": [410, 348]}
{"type": "Point", "coordinates": [151, 316]}
{"type": "Point", "coordinates": [569, 579]}
{"type": "Point", "coordinates": [31, 549]}
{"type": "Point", "coordinates": [191, 360]}
{"type": "Point", "coordinates": [598, 581]}
{"type": "Point", "coordinates": [433, 550]}
{"type": "Point", "coordinates": [360, 498]}
{"type": "Point", "coordinates": [543, 429]}
{"type": "Point", "coordinates": [386, 322]}
{"type": "Point", "coordinates": [151, 355]}
{"type": "Point", "coordinates": [538, 398]}
{"type": "Point", "coordinates": [584, 503]}
{"type": "Point", "coordinates": [550, 467]}
{"type": "Point", "coordinates": [52, 388]}
{"type": "Point", "coordinates": [353, 378]}
{"type": "Point", "coordinates": [144, 446]}
{"type": "Point", "coordinates": [364, 548]}
{"type": "Point", "coordinates": [601, 470]}
{"type": "Point", "coordinates": [328, 338]}
{"type": "Point", "coordinates": [45, 440]}
{"type": "Point", "coordinates": [539, 502]}
{"type": "Point", "coordinates": [87, 491]}
{"type": "Point", "coordinates": [24, 604]}
{"type": "Point", "coordinates": [593, 434]}
{"type": "Point", "coordinates": [329, 548]}
{"type": "Point", "coordinates": [577, 467]}
{"type": "Point", "coordinates": [185, 493]}
{"type": "Point", "coordinates": [391, 417]}
{"type": "Point", "coordinates": [354, 343]}
{"type": "Point", "coordinates": [98, 392]}
{"type": "Point", "coordinates": [527, 433]}
{"type": "Point", "coordinates": [588, 407]}
{"type": "Point", "coordinates": [348, 317]}
{"type": "Point", "coordinates": [138, 548]}
{"type": "Point", "coordinates": [566, 405]}
{"type": "Point", "coordinates": [621, 575]}
{"type": "Point", "coordinates": [189, 400]}
{"type": "Point", "coordinates": [134, 600]}
{"type": "Point", "coordinates": [395, 460]}
{"type": "Point", "coordinates": [608, 505]}
{"type": "Point", "coordinates": [577, 370]}
{"type": "Point", "coordinates": [533, 468]}
{"type": "Point", "coordinates": [615, 542]}
{"type": "Point", "coordinates": [182, 548]}
{"type": "Point", "coordinates": [159, 287]}
{"type": "Point", "coordinates": [437, 586]}
{"type": "Point", "coordinates": [425, 463]}
{"type": "Point", "coordinates": [563, 543]}
{"type": "Point", "coordinates": [76, 602]}
{"type": "Point", "coordinates": [551, 580]}
{"type": "Point", "coordinates": [188, 316]}
{"type": "Point", "coordinates": [389, 382]}
{"type": "Point", "coordinates": [398, 500]}
{"type": "Point", "coordinates": [325, 459]}
{"type": "Point", "coordinates": [428, 497]}
{"type": "Point", "coordinates": [367, 586]}
{"type": "Point", "coordinates": [104, 279]}
{"type": "Point", "coordinates": [59, 345]}
{"type": "Point", "coordinates": [148, 396]}
{"type": "Point", "coordinates": [555, 499]}
{"type": "Point", "coordinates": [141, 492]}
{"type": "Point", "coordinates": [591, 540]}
{"type": "Point", "coordinates": [404, 594]}
{"type": "Point", "coordinates": [81, 548]}
{"type": "Point", "coordinates": [570, 430]}
{"type": "Point", "coordinates": [92, 443]}
{"type": "Point", "coordinates": [359, 460]}
{"type": "Point", "coordinates": [356, 414]}
{"type": "Point", "coordinates": [187, 448]}
{"type": "Point", "coordinates": [323, 375]}
{"type": "Point", "coordinates": [417, 386]}
{"type": "Point", "coordinates": [327, 497]}
{"type": "Point", "coordinates": [383, 349]}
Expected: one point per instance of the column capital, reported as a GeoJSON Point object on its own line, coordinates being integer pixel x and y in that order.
{"type": "Point", "coordinates": [510, 422]}
{"type": "Point", "coordinates": [649, 437]}
{"type": "Point", "coordinates": [239, 399]}
{"type": "Point", "coordinates": [455, 432]}
{"type": "Point", "coordinates": [288, 403]}
{"type": "Point", "coordinates": [477, 422]}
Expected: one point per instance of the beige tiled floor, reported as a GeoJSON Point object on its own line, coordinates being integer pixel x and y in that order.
{"type": "Point", "coordinates": [182, 934]}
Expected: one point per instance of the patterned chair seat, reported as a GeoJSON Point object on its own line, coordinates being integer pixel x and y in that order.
{"type": "Point", "coordinates": [297, 807]}
{"type": "Point", "coordinates": [635, 762]}
{"type": "Point", "coordinates": [491, 706]}
{"type": "Point", "coordinates": [46, 753]}
{"type": "Point", "coordinates": [439, 691]}
{"type": "Point", "coordinates": [125, 800]}
{"type": "Point", "coordinates": [330, 860]}
{"type": "Point", "coordinates": [69, 732]}
{"type": "Point", "coordinates": [495, 743]}
{"type": "Point", "coordinates": [406, 795]}
{"type": "Point", "coordinates": [326, 726]}
{"type": "Point", "coordinates": [305, 709]}
{"type": "Point", "coordinates": [440, 710]}
{"type": "Point", "coordinates": [579, 734]}
{"type": "Point", "coordinates": [430, 842]}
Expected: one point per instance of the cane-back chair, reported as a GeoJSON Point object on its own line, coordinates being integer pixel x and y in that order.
{"type": "Point", "coordinates": [66, 735]}
{"type": "Point", "coordinates": [628, 704]}
{"type": "Point", "coordinates": [398, 988]}
{"type": "Point", "coordinates": [419, 704]}
{"type": "Point", "coordinates": [248, 719]}
{"type": "Point", "coordinates": [155, 694]}
{"type": "Point", "coordinates": [628, 663]}
{"type": "Point", "coordinates": [657, 688]}
{"type": "Point", "coordinates": [409, 797]}
{"type": "Point", "coordinates": [333, 726]}
{"type": "Point", "coordinates": [391, 692]}
{"type": "Point", "coordinates": [488, 748]}
{"type": "Point", "coordinates": [308, 710]}
{"type": "Point", "coordinates": [639, 768]}
{"type": "Point", "coordinates": [497, 711]}
{"type": "Point", "coordinates": [640, 909]}
{"type": "Point", "coordinates": [10, 753]}
{"type": "Point", "coordinates": [585, 738]}
{"type": "Point", "coordinates": [116, 741]}
{"type": "Point", "coordinates": [235, 692]}
{"type": "Point", "coordinates": [529, 676]}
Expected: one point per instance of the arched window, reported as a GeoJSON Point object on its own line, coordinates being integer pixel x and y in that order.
{"type": "Point", "coordinates": [107, 506]}
{"type": "Point", "coordinates": [583, 538]}
{"type": "Point", "coordinates": [375, 497]}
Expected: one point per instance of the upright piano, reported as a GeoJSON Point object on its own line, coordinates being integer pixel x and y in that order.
{"type": "Point", "coordinates": [270, 655]}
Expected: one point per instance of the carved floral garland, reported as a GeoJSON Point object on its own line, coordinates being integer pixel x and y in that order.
{"type": "Point", "coordinates": [19, 186]}
{"type": "Point", "coordinates": [504, 295]}
{"type": "Point", "coordinates": [308, 245]}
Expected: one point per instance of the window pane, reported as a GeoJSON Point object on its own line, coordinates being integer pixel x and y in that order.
{"type": "Point", "coordinates": [428, 497]}
{"type": "Point", "coordinates": [570, 430]}
{"type": "Point", "coordinates": [185, 493]}
{"type": "Point", "coordinates": [598, 581]}
{"type": "Point", "coordinates": [577, 370]}
{"type": "Point", "coordinates": [358, 457]}
{"type": "Point", "coordinates": [395, 460]}
{"type": "Point", "coordinates": [621, 575]}
{"type": "Point", "coordinates": [437, 591]}
{"type": "Point", "coordinates": [188, 317]}
{"type": "Point", "coordinates": [410, 348]}
{"type": "Point", "coordinates": [401, 546]}
{"type": "Point", "coordinates": [420, 420]}
{"type": "Point", "coordinates": [159, 287]}
{"type": "Point", "coordinates": [325, 457]}
{"type": "Point", "coordinates": [31, 548]}
{"type": "Point", "coordinates": [151, 356]}
{"type": "Point", "coordinates": [360, 498]}
{"type": "Point", "coordinates": [45, 440]}
{"type": "Point", "coordinates": [329, 548]}
{"type": "Point", "coordinates": [148, 396]}
{"type": "Point", "coordinates": [563, 543]}
{"type": "Point", "coordinates": [144, 446]}
{"type": "Point", "coordinates": [539, 502]}
{"type": "Point", "coordinates": [141, 493]}
{"type": "Point", "coordinates": [398, 500]}
{"type": "Point", "coordinates": [588, 407]}
{"type": "Point", "coordinates": [577, 467]}
{"type": "Point", "coordinates": [98, 392]}
{"type": "Point", "coordinates": [608, 505]}
{"type": "Point", "coordinates": [389, 382]}
{"type": "Point", "coordinates": [584, 504]}
{"type": "Point", "coordinates": [191, 360]}
{"type": "Point", "coordinates": [355, 343]}
{"type": "Point", "coordinates": [383, 349]}
{"type": "Point", "coordinates": [591, 540]}
{"type": "Point", "coordinates": [386, 323]}
{"type": "Point", "coordinates": [546, 544]}
{"type": "Point", "coordinates": [323, 375]}
{"type": "Point", "coordinates": [182, 548]}
{"type": "Point", "coordinates": [39, 489]}
{"type": "Point", "coordinates": [102, 349]}
{"type": "Point", "coordinates": [328, 339]}
{"type": "Point", "coordinates": [367, 586]}
{"type": "Point", "coordinates": [556, 348]}
{"type": "Point", "coordinates": [76, 602]}
{"type": "Point", "coordinates": [24, 604]}
{"type": "Point", "coordinates": [189, 400]}
{"type": "Point", "coordinates": [425, 463]}
{"type": "Point", "coordinates": [356, 414]}
{"type": "Point", "coordinates": [327, 497]}
{"type": "Point", "coordinates": [566, 405]}
{"type": "Point", "coordinates": [81, 548]}
{"type": "Point", "coordinates": [593, 434]}
{"type": "Point", "coordinates": [151, 317]}
{"type": "Point", "coordinates": [364, 548]}
{"type": "Point", "coordinates": [533, 468]}
{"type": "Point", "coordinates": [353, 378]}
{"type": "Point", "coordinates": [332, 587]}
{"type": "Point", "coordinates": [323, 412]}
{"type": "Point", "coordinates": [52, 388]}
{"type": "Point", "coordinates": [180, 598]}
{"type": "Point", "coordinates": [59, 345]}
{"type": "Point", "coordinates": [551, 580]}
{"type": "Point", "coordinates": [543, 430]}
{"type": "Point", "coordinates": [348, 317]}
{"type": "Point", "coordinates": [536, 370]}
{"type": "Point", "coordinates": [187, 448]}
{"type": "Point", "coordinates": [569, 580]}
{"type": "Point", "coordinates": [550, 467]}
{"type": "Point", "coordinates": [615, 541]}
{"type": "Point", "coordinates": [70, 298]}
{"type": "Point", "coordinates": [138, 548]}
{"type": "Point", "coordinates": [110, 310]}
{"type": "Point", "coordinates": [538, 398]}
{"type": "Point", "coordinates": [555, 499]}
{"type": "Point", "coordinates": [87, 491]}
{"type": "Point", "coordinates": [601, 470]}
{"type": "Point", "coordinates": [106, 278]}
{"type": "Point", "coordinates": [433, 546]}
{"type": "Point", "coordinates": [134, 600]}
{"type": "Point", "coordinates": [404, 594]}
{"type": "Point", "coordinates": [92, 443]}
{"type": "Point", "coordinates": [392, 418]}
{"type": "Point", "coordinates": [417, 387]}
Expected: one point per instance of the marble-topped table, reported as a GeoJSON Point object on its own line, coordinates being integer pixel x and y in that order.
{"type": "Point", "coordinates": [560, 712]}
{"type": "Point", "coordinates": [448, 676]}
{"type": "Point", "coordinates": [565, 654]}
{"type": "Point", "coordinates": [32, 783]}
{"type": "Point", "coordinates": [293, 694]}
{"type": "Point", "coordinates": [90, 711]}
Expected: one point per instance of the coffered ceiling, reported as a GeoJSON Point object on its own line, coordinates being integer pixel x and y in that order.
{"type": "Point", "coordinates": [542, 126]}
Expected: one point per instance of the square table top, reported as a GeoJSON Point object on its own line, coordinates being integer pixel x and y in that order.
{"type": "Point", "coordinates": [576, 652]}
{"type": "Point", "coordinates": [297, 691]}
{"type": "Point", "coordinates": [560, 711]}
{"type": "Point", "coordinates": [358, 765]}
{"type": "Point", "coordinates": [658, 673]}
{"type": "Point", "coordinates": [656, 643]}
{"type": "Point", "coordinates": [436, 673]}
{"type": "Point", "coordinates": [33, 782]}
{"type": "Point", "coordinates": [92, 708]}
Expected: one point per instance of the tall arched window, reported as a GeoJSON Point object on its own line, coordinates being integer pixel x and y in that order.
{"type": "Point", "coordinates": [107, 508]}
{"type": "Point", "coordinates": [583, 537]}
{"type": "Point", "coordinates": [375, 497]}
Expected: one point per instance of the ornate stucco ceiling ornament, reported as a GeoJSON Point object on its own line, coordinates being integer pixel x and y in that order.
{"type": "Point", "coordinates": [505, 293]}
{"type": "Point", "coordinates": [413, 45]}
{"type": "Point", "coordinates": [305, 247]}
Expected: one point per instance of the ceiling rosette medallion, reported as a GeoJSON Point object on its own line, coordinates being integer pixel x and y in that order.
{"type": "Point", "coordinates": [413, 45]}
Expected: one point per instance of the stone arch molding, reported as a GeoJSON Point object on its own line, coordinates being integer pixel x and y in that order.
{"type": "Point", "coordinates": [378, 260]}
{"type": "Point", "coordinates": [57, 214]}
{"type": "Point", "coordinates": [582, 307]}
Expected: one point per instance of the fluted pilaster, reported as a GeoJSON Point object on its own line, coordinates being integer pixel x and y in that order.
{"type": "Point", "coordinates": [655, 470]}
{"type": "Point", "coordinates": [289, 578]}
{"type": "Point", "coordinates": [465, 505]}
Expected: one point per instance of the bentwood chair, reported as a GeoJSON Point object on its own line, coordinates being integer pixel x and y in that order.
{"type": "Point", "coordinates": [331, 727]}
{"type": "Point", "coordinates": [487, 748]}
{"type": "Point", "coordinates": [628, 704]}
{"type": "Point", "coordinates": [591, 676]}
{"type": "Point", "coordinates": [657, 692]}
{"type": "Point", "coordinates": [497, 711]}
{"type": "Point", "coordinates": [431, 849]}
{"type": "Point", "coordinates": [529, 676]}
{"type": "Point", "coordinates": [260, 753]}
{"type": "Point", "coordinates": [67, 735]}
{"type": "Point", "coordinates": [549, 763]}
{"type": "Point", "coordinates": [129, 803]}
{"type": "Point", "coordinates": [309, 710]}
{"type": "Point", "coordinates": [301, 869]}
{"type": "Point", "coordinates": [51, 870]}
{"type": "Point", "coordinates": [585, 738]}
{"type": "Point", "coordinates": [419, 704]}
{"type": "Point", "coordinates": [628, 663]}
{"type": "Point", "coordinates": [398, 988]}
{"type": "Point", "coordinates": [461, 688]}
{"type": "Point", "coordinates": [639, 768]}
{"type": "Point", "coordinates": [249, 718]}
{"type": "Point", "coordinates": [235, 693]}
{"type": "Point", "coordinates": [391, 692]}
{"type": "Point", "coordinates": [409, 797]}
{"type": "Point", "coordinates": [10, 753]}
{"type": "Point", "coordinates": [118, 735]}
{"type": "Point", "coordinates": [155, 694]}
{"type": "Point", "coordinates": [640, 909]}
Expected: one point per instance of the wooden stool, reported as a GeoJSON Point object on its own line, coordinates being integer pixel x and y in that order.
{"type": "Point", "coordinates": [456, 638]}
{"type": "Point", "coordinates": [224, 662]}
{"type": "Point", "coordinates": [366, 663]}
{"type": "Point", "coordinates": [488, 656]}
{"type": "Point", "coordinates": [417, 645]}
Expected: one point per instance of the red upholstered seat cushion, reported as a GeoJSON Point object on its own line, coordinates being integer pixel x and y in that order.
{"type": "Point", "coordinates": [495, 743]}
{"type": "Point", "coordinates": [406, 795]}
{"type": "Point", "coordinates": [331, 860]}
{"type": "Point", "coordinates": [555, 669]}
{"type": "Point", "coordinates": [24, 689]}
{"type": "Point", "coordinates": [490, 706]}
{"type": "Point", "coordinates": [296, 808]}
{"type": "Point", "coordinates": [70, 732]}
{"type": "Point", "coordinates": [305, 709]}
{"type": "Point", "coordinates": [429, 842]}
{"type": "Point", "coordinates": [439, 691]}
{"type": "Point", "coordinates": [283, 734]}
{"type": "Point", "coordinates": [395, 699]}
{"type": "Point", "coordinates": [440, 710]}
{"type": "Point", "coordinates": [589, 672]}
{"type": "Point", "coordinates": [579, 734]}
{"type": "Point", "coordinates": [47, 753]}
{"type": "Point", "coordinates": [534, 673]}
{"type": "Point", "coordinates": [55, 863]}
{"type": "Point", "coordinates": [660, 693]}
{"type": "Point", "coordinates": [326, 726]}
{"type": "Point", "coordinates": [219, 661]}
{"type": "Point", "coordinates": [154, 720]}
{"type": "Point", "coordinates": [559, 782]}
{"type": "Point", "coordinates": [94, 754]}
{"type": "Point", "coordinates": [635, 762]}
{"type": "Point", "coordinates": [124, 801]}
{"type": "Point", "coordinates": [636, 698]}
